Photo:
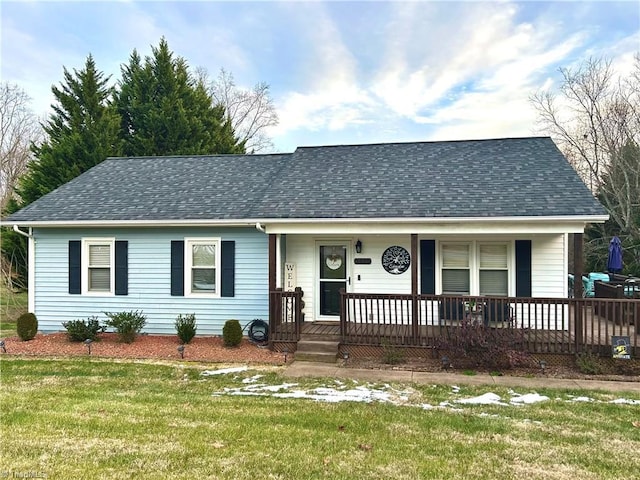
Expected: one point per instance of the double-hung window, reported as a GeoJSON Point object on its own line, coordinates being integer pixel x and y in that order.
{"type": "Point", "coordinates": [456, 279]}
{"type": "Point", "coordinates": [475, 268]}
{"type": "Point", "coordinates": [202, 262]}
{"type": "Point", "coordinates": [493, 269]}
{"type": "Point", "coordinates": [98, 275]}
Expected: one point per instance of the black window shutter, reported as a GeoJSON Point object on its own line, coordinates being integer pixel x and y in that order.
{"type": "Point", "coordinates": [177, 268]}
{"type": "Point", "coordinates": [523, 268]}
{"type": "Point", "coordinates": [228, 261]}
{"type": "Point", "coordinates": [428, 267]}
{"type": "Point", "coordinates": [122, 267]}
{"type": "Point", "coordinates": [75, 267]}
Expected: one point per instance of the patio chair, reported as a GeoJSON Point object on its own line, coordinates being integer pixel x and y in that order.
{"type": "Point", "coordinates": [497, 311]}
{"type": "Point", "coordinates": [587, 283]}
{"type": "Point", "coordinates": [451, 309]}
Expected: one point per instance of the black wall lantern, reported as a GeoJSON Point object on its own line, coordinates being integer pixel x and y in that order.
{"type": "Point", "coordinates": [358, 246]}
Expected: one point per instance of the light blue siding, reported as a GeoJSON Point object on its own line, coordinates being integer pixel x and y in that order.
{"type": "Point", "coordinates": [149, 279]}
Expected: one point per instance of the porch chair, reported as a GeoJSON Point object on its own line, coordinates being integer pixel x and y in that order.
{"type": "Point", "coordinates": [451, 309]}
{"type": "Point", "coordinates": [498, 311]}
{"type": "Point", "coordinates": [587, 283]}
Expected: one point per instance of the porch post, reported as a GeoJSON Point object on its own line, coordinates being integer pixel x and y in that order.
{"type": "Point", "coordinates": [272, 262]}
{"type": "Point", "coordinates": [578, 267]}
{"type": "Point", "coordinates": [415, 303]}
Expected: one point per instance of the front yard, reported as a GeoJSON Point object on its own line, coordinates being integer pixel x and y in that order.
{"type": "Point", "coordinates": [92, 418]}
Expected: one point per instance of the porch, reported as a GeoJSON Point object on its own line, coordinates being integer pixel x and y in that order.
{"type": "Point", "coordinates": [545, 325]}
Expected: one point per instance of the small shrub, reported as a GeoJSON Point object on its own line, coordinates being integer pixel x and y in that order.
{"type": "Point", "coordinates": [589, 364]}
{"type": "Point", "coordinates": [126, 324]}
{"type": "Point", "coordinates": [391, 355]}
{"type": "Point", "coordinates": [81, 330]}
{"type": "Point", "coordinates": [474, 345]}
{"type": "Point", "coordinates": [232, 333]}
{"type": "Point", "coordinates": [186, 327]}
{"type": "Point", "coordinates": [27, 326]}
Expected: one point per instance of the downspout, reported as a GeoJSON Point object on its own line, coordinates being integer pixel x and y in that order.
{"type": "Point", "coordinates": [260, 228]}
{"type": "Point", "coordinates": [24, 234]}
{"type": "Point", "coordinates": [31, 267]}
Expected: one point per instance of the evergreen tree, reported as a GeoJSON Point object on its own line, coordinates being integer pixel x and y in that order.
{"type": "Point", "coordinates": [82, 132]}
{"type": "Point", "coordinates": [165, 111]}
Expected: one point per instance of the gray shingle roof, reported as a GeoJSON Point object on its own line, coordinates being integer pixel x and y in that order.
{"type": "Point", "coordinates": [475, 178]}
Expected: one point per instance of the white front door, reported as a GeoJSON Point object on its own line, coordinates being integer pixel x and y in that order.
{"type": "Point", "coordinates": [333, 276]}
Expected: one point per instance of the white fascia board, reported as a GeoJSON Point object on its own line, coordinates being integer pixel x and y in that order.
{"type": "Point", "coordinates": [532, 225]}
{"type": "Point", "coordinates": [557, 224]}
{"type": "Point", "coordinates": [136, 223]}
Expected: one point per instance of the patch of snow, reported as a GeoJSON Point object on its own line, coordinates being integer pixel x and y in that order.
{"type": "Point", "coordinates": [368, 393]}
{"type": "Point", "coordinates": [222, 371]}
{"type": "Point", "coordinates": [528, 398]}
{"type": "Point", "coordinates": [488, 398]}
{"type": "Point", "coordinates": [277, 388]}
{"type": "Point", "coordinates": [626, 401]}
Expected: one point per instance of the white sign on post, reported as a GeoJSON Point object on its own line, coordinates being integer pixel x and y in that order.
{"type": "Point", "coordinates": [290, 280]}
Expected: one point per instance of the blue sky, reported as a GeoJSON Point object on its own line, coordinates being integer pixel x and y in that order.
{"type": "Point", "coordinates": [339, 72]}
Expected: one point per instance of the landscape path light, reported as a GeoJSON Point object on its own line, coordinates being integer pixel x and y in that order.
{"type": "Point", "coordinates": [87, 344]}
{"type": "Point", "coordinates": [181, 351]}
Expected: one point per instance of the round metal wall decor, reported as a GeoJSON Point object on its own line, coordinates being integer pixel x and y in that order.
{"type": "Point", "coordinates": [396, 260]}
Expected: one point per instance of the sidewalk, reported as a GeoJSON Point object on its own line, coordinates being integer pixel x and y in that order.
{"type": "Point", "coordinates": [311, 369]}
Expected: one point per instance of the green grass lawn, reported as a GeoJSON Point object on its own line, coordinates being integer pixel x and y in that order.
{"type": "Point", "coordinates": [87, 419]}
{"type": "Point", "coordinates": [12, 305]}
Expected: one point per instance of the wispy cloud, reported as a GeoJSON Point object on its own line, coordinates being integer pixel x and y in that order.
{"type": "Point", "coordinates": [340, 71]}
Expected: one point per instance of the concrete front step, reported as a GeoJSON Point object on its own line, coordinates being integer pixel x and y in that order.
{"type": "Point", "coordinates": [317, 346]}
{"type": "Point", "coordinates": [315, 337]}
{"type": "Point", "coordinates": [317, 351]}
{"type": "Point", "coordinates": [316, 357]}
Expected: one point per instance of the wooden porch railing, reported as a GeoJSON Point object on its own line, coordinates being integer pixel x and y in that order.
{"type": "Point", "coordinates": [285, 315]}
{"type": "Point", "coordinates": [549, 325]}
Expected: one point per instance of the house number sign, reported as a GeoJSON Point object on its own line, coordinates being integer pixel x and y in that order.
{"type": "Point", "coordinates": [396, 260]}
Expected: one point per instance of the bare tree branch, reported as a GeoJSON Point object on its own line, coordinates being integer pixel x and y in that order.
{"type": "Point", "coordinates": [19, 128]}
{"type": "Point", "coordinates": [595, 120]}
{"type": "Point", "coordinates": [251, 112]}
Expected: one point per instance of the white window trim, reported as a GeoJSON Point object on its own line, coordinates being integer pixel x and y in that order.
{"type": "Point", "coordinates": [86, 242]}
{"type": "Point", "coordinates": [474, 264]}
{"type": "Point", "coordinates": [188, 265]}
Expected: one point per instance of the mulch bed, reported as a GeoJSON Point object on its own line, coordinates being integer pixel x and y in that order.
{"type": "Point", "coordinates": [202, 349]}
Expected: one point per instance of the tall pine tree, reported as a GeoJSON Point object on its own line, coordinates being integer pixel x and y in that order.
{"type": "Point", "coordinates": [82, 132]}
{"type": "Point", "coordinates": [165, 111]}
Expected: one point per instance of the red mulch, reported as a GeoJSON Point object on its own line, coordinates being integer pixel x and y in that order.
{"type": "Point", "coordinates": [202, 349]}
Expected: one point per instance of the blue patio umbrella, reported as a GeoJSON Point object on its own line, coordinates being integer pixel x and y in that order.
{"type": "Point", "coordinates": [614, 264]}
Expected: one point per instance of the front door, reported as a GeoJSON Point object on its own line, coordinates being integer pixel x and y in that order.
{"type": "Point", "coordinates": [333, 277]}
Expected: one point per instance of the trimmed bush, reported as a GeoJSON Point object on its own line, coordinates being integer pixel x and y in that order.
{"type": "Point", "coordinates": [126, 324]}
{"type": "Point", "coordinates": [474, 345]}
{"type": "Point", "coordinates": [186, 327]}
{"type": "Point", "coordinates": [232, 333]}
{"type": "Point", "coordinates": [81, 330]}
{"type": "Point", "coordinates": [27, 326]}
